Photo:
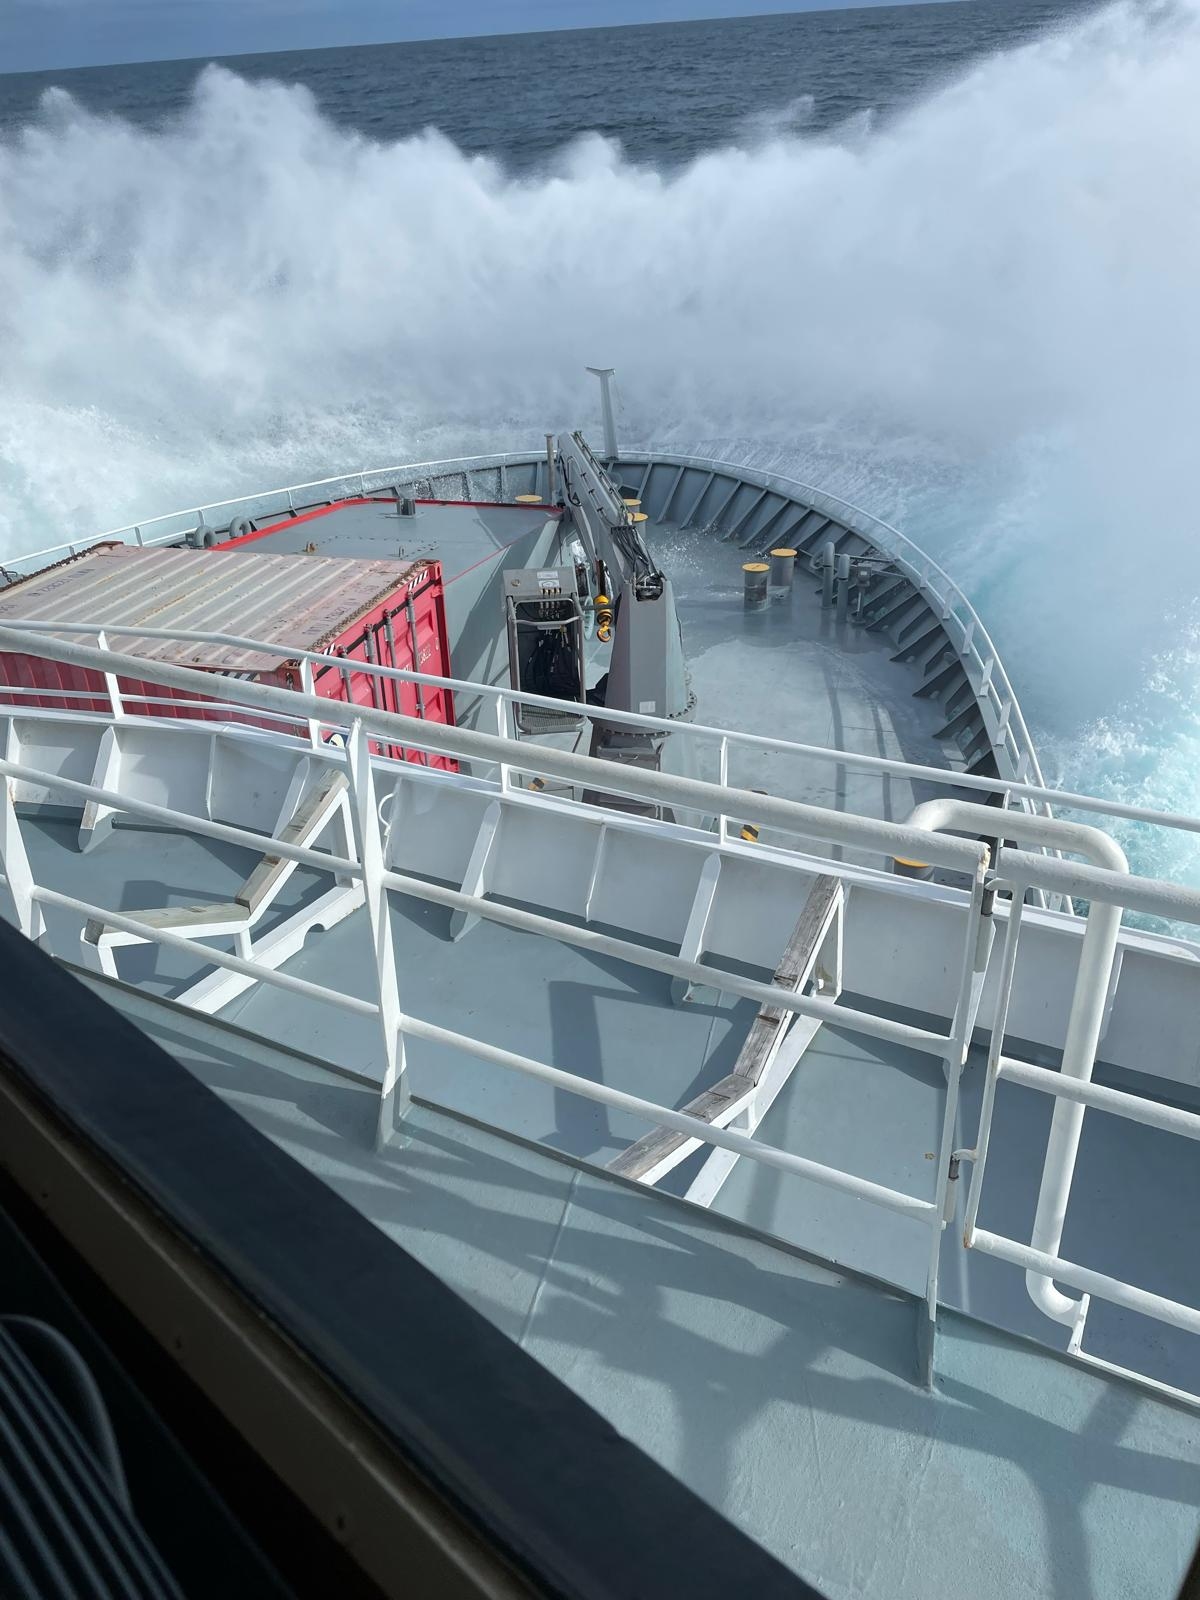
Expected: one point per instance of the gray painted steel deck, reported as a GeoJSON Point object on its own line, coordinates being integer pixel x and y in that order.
{"type": "Point", "coordinates": [459, 536]}
{"type": "Point", "coordinates": [777, 1388]}
{"type": "Point", "coordinates": [795, 672]}
{"type": "Point", "coordinates": [871, 1108]}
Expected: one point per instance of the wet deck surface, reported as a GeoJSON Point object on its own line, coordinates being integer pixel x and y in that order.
{"type": "Point", "coordinates": [777, 1388]}
{"type": "Point", "coordinates": [795, 672]}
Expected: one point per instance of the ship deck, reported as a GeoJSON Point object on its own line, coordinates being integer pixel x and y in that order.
{"type": "Point", "coordinates": [867, 1105]}
{"type": "Point", "coordinates": [777, 1387]}
{"type": "Point", "coordinates": [792, 672]}
{"type": "Point", "coordinates": [763, 1349]}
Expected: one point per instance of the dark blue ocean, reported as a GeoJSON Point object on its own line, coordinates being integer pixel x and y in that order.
{"type": "Point", "coordinates": [941, 259]}
{"type": "Point", "coordinates": [666, 92]}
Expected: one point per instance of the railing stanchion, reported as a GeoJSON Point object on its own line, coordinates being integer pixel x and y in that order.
{"type": "Point", "coordinates": [957, 1046]}
{"type": "Point", "coordinates": [394, 1090]}
{"type": "Point", "coordinates": [1084, 1023]}
{"type": "Point", "coordinates": [1008, 966]}
{"type": "Point", "coordinates": [307, 687]}
{"type": "Point", "coordinates": [17, 872]}
{"type": "Point", "coordinates": [111, 682]}
{"type": "Point", "coordinates": [502, 730]}
{"type": "Point", "coordinates": [723, 780]}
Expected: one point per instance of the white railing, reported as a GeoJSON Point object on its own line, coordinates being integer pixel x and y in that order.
{"type": "Point", "coordinates": [361, 724]}
{"type": "Point", "coordinates": [1072, 1091]}
{"type": "Point", "coordinates": [1040, 797]}
{"type": "Point", "coordinates": [1021, 871]}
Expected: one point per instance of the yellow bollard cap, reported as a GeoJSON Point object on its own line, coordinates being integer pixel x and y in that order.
{"type": "Point", "coordinates": [783, 552]}
{"type": "Point", "coordinates": [528, 500]}
{"type": "Point", "coordinates": [755, 566]}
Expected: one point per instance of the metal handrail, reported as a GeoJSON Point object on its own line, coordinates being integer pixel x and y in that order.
{"type": "Point", "coordinates": [856, 760]}
{"type": "Point", "coordinates": [397, 728]}
{"type": "Point", "coordinates": [29, 897]}
{"type": "Point", "coordinates": [1072, 1091]}
{"type": "Point", "coordinates": [1022, 868]}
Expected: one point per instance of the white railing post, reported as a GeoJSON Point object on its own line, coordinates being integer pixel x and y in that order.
{"type": "Point", "coordinates": [17, 872]}
{"type": "Point", "coordinates": [307, 688]}
{"type": "Point", "coordinates": [723, 780]}
{"type": "Point", "coordinates": [365, 822]}
{"type": "Point", "coordinates": [1084, 1024]}
{"type": "Point", "coordinates": [957, 1046]}
{"type": "Point", "coordinates": [1008, 966]}
{"type": "Point", "coordinates": [502, 730]}
{"type": "Point", "coordinates": [111, 681]}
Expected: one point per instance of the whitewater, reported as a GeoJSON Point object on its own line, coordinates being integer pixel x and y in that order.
{"type": "Point", "coordinates": [976, 317]}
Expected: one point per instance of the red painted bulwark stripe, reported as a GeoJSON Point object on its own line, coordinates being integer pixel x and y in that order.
{"type": "Point", "coordinates": [301, 516]}
{"type": "Point", "coordinates": [374, 500]}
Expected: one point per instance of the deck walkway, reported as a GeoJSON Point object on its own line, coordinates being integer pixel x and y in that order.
{"type": "Point", "coordinates": [777, 1388]}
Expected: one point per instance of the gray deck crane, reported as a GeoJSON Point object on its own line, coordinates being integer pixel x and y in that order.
{"type": "Point", "coordinates": [634, 604]}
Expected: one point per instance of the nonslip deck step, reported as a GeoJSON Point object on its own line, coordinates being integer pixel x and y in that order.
{"type": "Point", "coordinates": [655, 1153]}
{"type": "Point", "coordinates": [207, 919]}
{"type": "Point", "coordinates": [264, 882]}
{"type": "Point", "coordinates": [309, 818]}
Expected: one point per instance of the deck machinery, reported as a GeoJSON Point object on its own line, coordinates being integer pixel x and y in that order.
{"type": "Point", "coordinates": [615, 593]}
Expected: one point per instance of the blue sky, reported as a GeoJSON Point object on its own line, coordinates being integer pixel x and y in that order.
{"type": "Point", "coordinates": [36, 34]}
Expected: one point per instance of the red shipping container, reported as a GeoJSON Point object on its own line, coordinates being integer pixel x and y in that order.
{"type": "Point", "coordinates": [390, 613]}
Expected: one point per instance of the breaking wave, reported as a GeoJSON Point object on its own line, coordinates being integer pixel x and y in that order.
{"type": "Point", "coordinates": [976, 317]}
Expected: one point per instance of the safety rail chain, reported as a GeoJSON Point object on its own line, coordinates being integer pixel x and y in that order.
{"type": "Point", "coordinates": [365, 865]}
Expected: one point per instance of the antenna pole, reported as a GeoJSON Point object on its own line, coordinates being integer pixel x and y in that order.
{"type": "Point", "coordinates": [605, 374]}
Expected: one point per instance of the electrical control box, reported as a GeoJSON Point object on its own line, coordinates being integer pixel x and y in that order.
{"type": "Point", "coordinates": [544, 618]}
